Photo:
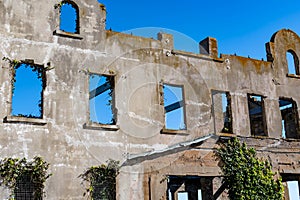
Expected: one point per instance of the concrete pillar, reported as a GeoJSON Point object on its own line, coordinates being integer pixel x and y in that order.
{"type": "Point", "coordinates": [273, 118]}
{"type": "Point", "coordinates": [130, 183]}
{"type": "Point", "coordinates": [167, 40]}
{"type": "Point", "coordinates": [240, 115]}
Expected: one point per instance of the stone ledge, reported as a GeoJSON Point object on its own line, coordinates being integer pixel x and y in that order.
{"type": "Point", "coordinates": [226, 134]}
{"type": "Point", "coordinates": [67, 34]}
{"type": "Point", "coordinates": [25, 120]}
{"type": "Point", "coordinates": [293, 76]}
{"type": "Point", "coordinates": [97, 126]}
{"type": "Point", "coordinates": [173, 132]}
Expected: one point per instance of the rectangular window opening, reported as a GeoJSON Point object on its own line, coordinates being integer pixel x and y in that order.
{"type": "Point", "coordinates": [174, 107]}
{"type": "Point", "coordinates": [28, 84]}
{"type": "Point", "coordinates": [101, 99]}
{"type": "Point", "coordinates": [222, 115]}
{"type": "Point", "coordinates": [289, 118]}
{"type": "Point", "coordinates": [101, 190]}
{"type": "Point", "coordinates": [26, 188]}
{"type": "Point", "coordinates": [257, 115]}
{"type": "Point", "coordinates": [293, 189]}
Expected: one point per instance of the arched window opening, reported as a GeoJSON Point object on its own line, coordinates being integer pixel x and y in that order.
{"type": "Point", "coordinates": [69, 17]}
{"type": "Point", "coordinates": [292, 62]}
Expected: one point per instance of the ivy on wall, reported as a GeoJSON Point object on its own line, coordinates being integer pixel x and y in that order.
{"type": "Point", "coordinates": [101, 180]}
{"type": "Point", "coordinates": [59, 5]}
{"type": "Point", "coordinates": [247, 177]}
{"type": "Point", "coordinates": [13, 170]}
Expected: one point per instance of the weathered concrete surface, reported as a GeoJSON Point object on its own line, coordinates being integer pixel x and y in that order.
{"type": "Point", "coordinates": [140, 66]}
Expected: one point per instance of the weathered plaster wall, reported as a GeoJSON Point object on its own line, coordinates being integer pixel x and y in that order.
{"type": "Point", "coordinates": [140, 66]}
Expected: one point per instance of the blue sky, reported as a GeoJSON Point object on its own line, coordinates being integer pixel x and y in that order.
{"type": "Point", "coordinates": [68, 13]}
{"type": "Point", "coordinates": [174, 119]}
{"type": "Point", "coordinates": [27, 92]}
{"type": "Point", "coordinates": [240, 27]}
{"type": "Point", "coordinates": [100, 105]}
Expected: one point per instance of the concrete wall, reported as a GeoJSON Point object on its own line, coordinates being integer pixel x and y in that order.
{"type": "Point", "coordinates": [70, 144]}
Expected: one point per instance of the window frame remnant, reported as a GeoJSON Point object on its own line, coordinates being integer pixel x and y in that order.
{"type": "Point", "coordinates": [94, 92]}
{"type": "Point", "coordinates": [174, 106]}
{"type": "Point", "coordinates": [41, 76]}
{"type": "Point", "coordinates": [226, 113]}
{"type": "Point", "coordinates": [292, 61]}
{"type": "Point", "coordinates": [255, 118]}
{"type": "Point", "coordinates": [289, 111]}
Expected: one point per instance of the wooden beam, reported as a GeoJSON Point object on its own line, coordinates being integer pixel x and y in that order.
{"type": "Point", "coordinates": [99, 90]}
{"type": "Point", "coordinates": [174, 106]}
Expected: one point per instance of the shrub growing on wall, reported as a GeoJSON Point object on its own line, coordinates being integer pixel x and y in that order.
{"type": "Point", "coordinates": [101, 180]}
{"type": "Point", "coordinates": [246, 177]}
{"type": "Point", "coordinates": [14, 171]}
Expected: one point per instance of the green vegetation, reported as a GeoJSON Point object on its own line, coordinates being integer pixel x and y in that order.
{"type": "Point", "coordinates": [14, 170]}
{"type": "Point", "coordinates": [102, 180]}
{"type": "Point", "coordinates": [246, 177]}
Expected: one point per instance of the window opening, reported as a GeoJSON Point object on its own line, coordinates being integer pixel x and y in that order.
{"type": "Point", "coordinates": [174, 107]}
{"type": "Point", "coordinates": [291, 186]}
{"type": "Point", "coordinates": [257, 115]}
{"type": "Point", "coordinates": [101, 99]}
{"type": "Point", "coordinates": [293, 189]}
{"type": "Point", "coordinates": [292, 62]}
{"type": "Point", "coordinates": [101, 180]}
{"type": "Point", "coordinates": [25, 188]}
{"type": "Point", "coordinates": [289, 118]}
{"type": "Point", "coordinates": [189, 187]}
{"type": "Point", "coordinates": [27, 91]}
{"type": "Point", "coordinates": [69, 18]}
{"type": "Point", "coordinates": [221, 102]}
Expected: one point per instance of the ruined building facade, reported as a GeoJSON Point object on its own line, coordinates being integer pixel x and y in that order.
{"type": "Point", "coordinates": [159, 111]}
